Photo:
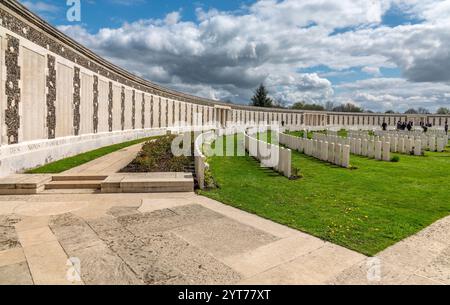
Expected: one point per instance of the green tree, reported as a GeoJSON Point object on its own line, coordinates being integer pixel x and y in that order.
{"type": "Point", "coordinates": [349, 107]}
{"type": "Point", "coordinates": [329, 106]}
{"type": "Point", "coordinates": [422, 110]}
{"type": "Point", "coordinates": [304, 106]}
{"type": "Point", "coordinates": [279, 103]}
{"type": "Point", "coordinates": [443, 110]}
{"type": "Point", "coordinates": [261, 98]}
{"type": "Point", "coordinates": [390, 112]}
{"type": "Point", "coordinates": [411, 111]}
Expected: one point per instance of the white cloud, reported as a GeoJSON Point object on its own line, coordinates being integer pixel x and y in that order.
{"type": "Point", "coordinates": [375, 71]}
{"type": "Point", "coordinates": [225, 55]}
{"type": "Point", "coordinates": [40, 6]}
{"type": "Point", "coordinates": [172, 18]}
{"type": "Point", "coordinates": [397, 94]}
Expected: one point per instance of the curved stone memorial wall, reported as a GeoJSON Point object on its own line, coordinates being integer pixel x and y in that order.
{"type": "Point", "coordinates": [58, 99]}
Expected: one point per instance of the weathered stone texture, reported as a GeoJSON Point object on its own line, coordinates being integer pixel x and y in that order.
{"type": "Point", "coordinates": [110, 107]}
{"type": "Point", "coordinates": [133, 109]}
{"type": "Point", "coordinates": [95, 102]}
{"type": "Point", "coordinates": [12, 90]}
{"type": "Point", "coordinates": [151, 112]}
{"type": "Point", "coordinates": [51, 96]}
{"type": "Point", "coordinates": [173, 112]}
{"type": "Point", "coordinates": [76, 101]}
{"type": "Point", "coordinates": [8, 235]}
{"type": "Point", "coordinates": [122, 106]}
{"type": "Point", "coordinates": [160, 113]}
{"type": "Point", "coordinates": [167, 112]}
{"type": "Point", "coordinates": [143, 111]}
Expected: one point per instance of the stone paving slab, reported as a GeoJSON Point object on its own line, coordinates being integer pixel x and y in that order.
{"type": "Point", "coordinates": [271, 255]}
{"type": "Point", "coordinates": [12, 256]}
{"type": "Point", "coordinates": [101, 266]}
{"type": "Point", "coordinates": [439, 268]}
{"type": "Point", "coordinates": [218, 237]}
{"type": "Point", "coordinates": [189, 239]}
{"type": "Point", "coordinates": [316, 267]}
{"type": "Point", "coordinates": [15, 274]}
{"type": "Point", "coordinates": [48, 263]}
{"type": "Point", "coordinates": [8, 235]}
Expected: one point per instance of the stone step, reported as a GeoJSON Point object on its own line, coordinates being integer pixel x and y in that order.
{"type": "Point", "coordinates": [79, 177]}
{"type": "Point", "coordinates": [70, 191]}
{"type": "Point", "coordinates": [149, 183]}
{"type": "Point", "coordinates": [74, 185]}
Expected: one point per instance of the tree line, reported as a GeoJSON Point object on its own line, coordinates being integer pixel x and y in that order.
{"type": "Point", "coordinates": [261, 99]}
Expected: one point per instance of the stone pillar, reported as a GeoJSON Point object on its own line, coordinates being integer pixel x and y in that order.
{"type": "Point", "coordinates": [337, 154]}
{"type": "Point", "coordinates": [315, 148]}
{"type": "Point", "coordinates": [387, 151]}
{"type": "Point", "coordinates": [331, 150]}
{"type": "Point", "coordinates": [401, 145]}
{"type": "Point", "coordinates": [353, 146]}
{"type": "Point", "coordinates": [370, 149]}
{"type": "Point", "coordinates": [395, 144]}
{"type": "Point", "coordinates": [345, 156]}
{"type": "Point", "coordinates": [440, 144]}
{"type": "Point", "coordinates": [310, 147]}
{"type": "Point", "coordinates": [378, 146]}
{"type": "Point", "coordinates": [432, 143]}
{"type": "Point", "coordinates": [359, 147]}
{"type": "Point", "coordinates": [408, 146]}
{"type": "Point", "coordinates": [325, 151]}
{"type": "Point", "coordinates": [364, 147]}
{"type": "Point", "coordinates": [287, 163]}
{"type": "Point", "coordinates": [418, 148]}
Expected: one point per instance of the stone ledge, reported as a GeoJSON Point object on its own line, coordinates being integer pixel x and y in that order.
{"type": "Point", "coordinates": [148, 183]}
{"type": "Point", "coordinates": [116, 183]}
{"type": "Point", "coordinates": [24, 184]}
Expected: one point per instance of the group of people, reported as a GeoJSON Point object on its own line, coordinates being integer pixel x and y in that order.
{"type": "Point", "coordinates": [409, 125]}
{"type": "Point", "coordinates": [425, 126]}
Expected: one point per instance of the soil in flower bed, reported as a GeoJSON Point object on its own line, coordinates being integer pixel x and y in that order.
{"type": "Point", "coordinates": [156, 156]}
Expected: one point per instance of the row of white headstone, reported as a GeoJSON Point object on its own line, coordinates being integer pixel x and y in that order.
{"type": "Point", "coordinates": [270, 155]}
{"type": "Point", "coordinates": [433, 141]}
{"type": "Point", "coordinates": [328, 151]}
{"type": "Point", "coordinates": [379, 149]}
{"type": "Point", "coordinates": [406, 143]}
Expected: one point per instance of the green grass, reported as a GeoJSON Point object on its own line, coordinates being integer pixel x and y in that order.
{"type": "Point", "coordinates": [366, 210]}
{"type": "Point", "coordinates": [68, 163]}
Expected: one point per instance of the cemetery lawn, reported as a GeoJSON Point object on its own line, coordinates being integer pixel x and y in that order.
{"type": "Point", "coordinates": [366, 209]}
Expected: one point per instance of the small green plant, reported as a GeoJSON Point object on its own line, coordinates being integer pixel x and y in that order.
{"type": "Point", "coordinates": [156, 156]}
{"type": "Point", "coordinates": [209, 180]}
{"type": "Point", "coordinates": [395, 159]}
{"type": "Point", "coordinates": [295, 174]}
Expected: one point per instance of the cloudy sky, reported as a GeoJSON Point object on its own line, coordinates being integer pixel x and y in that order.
{"type": "Point", "coordinates": [379, 54]}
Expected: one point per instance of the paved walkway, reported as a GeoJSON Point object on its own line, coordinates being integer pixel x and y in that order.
{"type": "Point", "coordinates": [108, 164]}
{"type": "Point", "coordinates": [189, 239]}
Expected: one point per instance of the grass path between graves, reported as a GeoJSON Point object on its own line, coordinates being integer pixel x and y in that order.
{"type": "Point", "coordinates": [71, 162]}
{"type": "Point", "coordinates": [367, 209]}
